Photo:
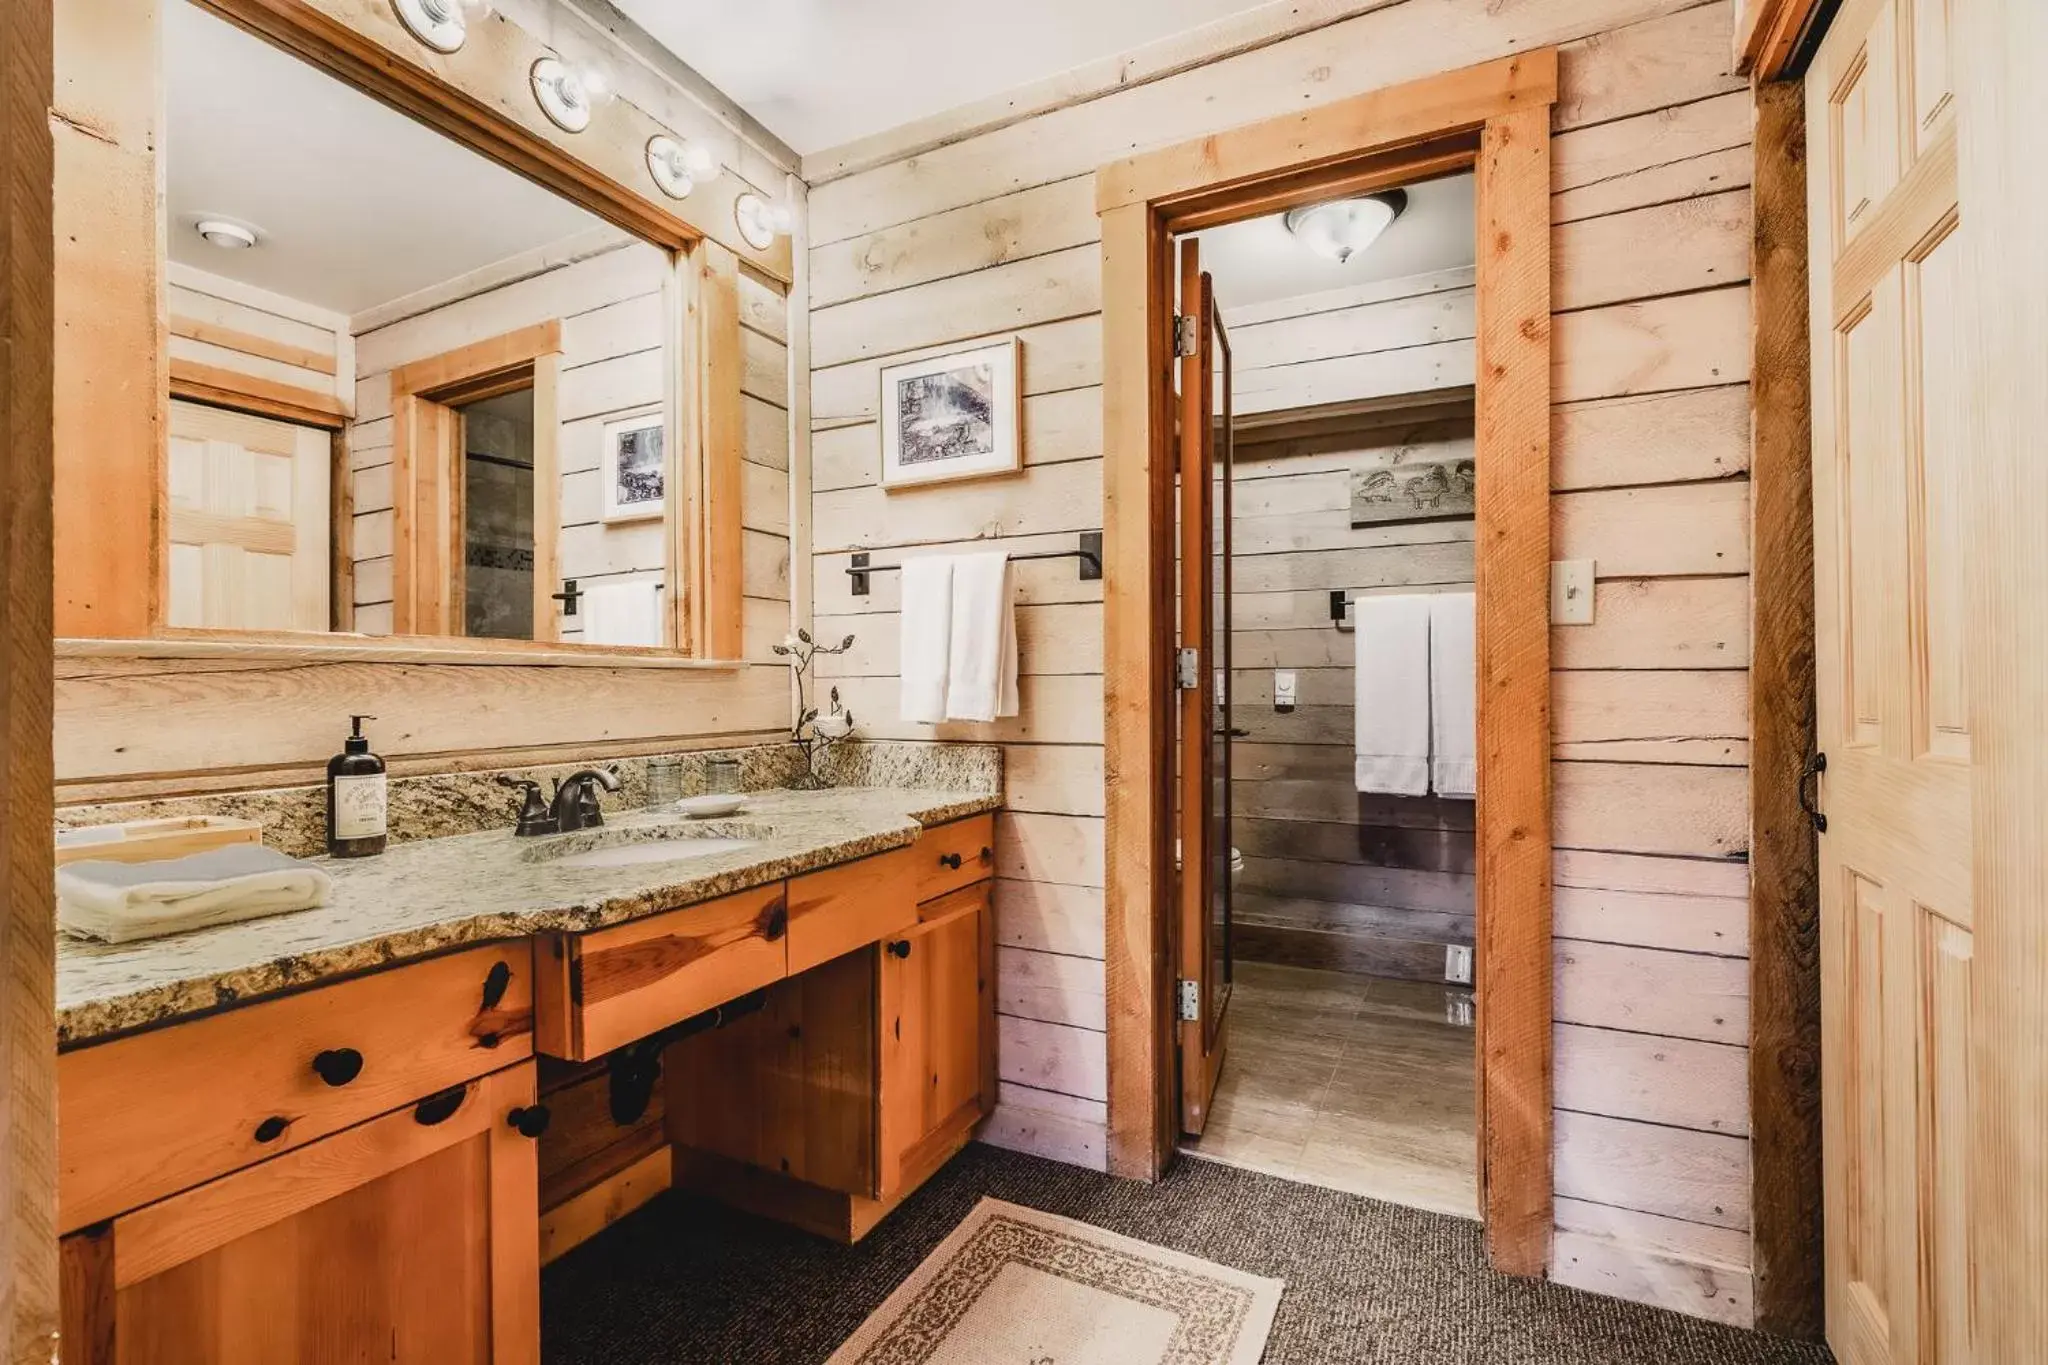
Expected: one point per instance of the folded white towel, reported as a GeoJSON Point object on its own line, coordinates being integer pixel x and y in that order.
{"type": "Point", "coordinates": [122, 902]}
{"type": "Point", "coordinates": [622, 613]}
{"type": "Point", "coordinates": [926, 629]}
{"type": "Point", "coordinates": [1454, 739]}
{"type": "Point", "coordinates": [981, 680]}
{"type": "Point", "coordinates": [1392, 702]}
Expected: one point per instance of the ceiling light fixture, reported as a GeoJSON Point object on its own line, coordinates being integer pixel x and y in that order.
{"type": "Point", "coordinates": [668, 163]}
{"type": "Point", "coordinates": [563, 93]}
{"type": "Point", "coordinates": [225, 235]}
{"type": "Point", "coordinates": [759, 221]}
{"type": "Point", "coordinates": [1342, 228]}
{"type": "Point", "coordinates": [441, 24]}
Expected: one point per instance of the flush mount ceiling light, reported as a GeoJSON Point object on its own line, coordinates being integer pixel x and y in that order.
{"type": "Point", "coordinates": [440, 24]}
{"type": "Point", "coordinates": [225, 235]}
{"type": "Point", "coordinates": [667, 163]}
{"type": "Point", "coordinates": [759, 221]}
{"type": "Point", "coordinates": [564, 95]}
{"type": "Point", "coordinates": [1344, 227]}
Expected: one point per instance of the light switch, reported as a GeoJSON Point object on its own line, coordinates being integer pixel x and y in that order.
{"type": "Point", "coordinates": [1283, 689]}
{"type": "Point", "coordinates": [1571, 592]}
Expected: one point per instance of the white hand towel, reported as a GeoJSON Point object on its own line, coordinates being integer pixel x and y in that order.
{"type": "Point", "coordinates": [1392, 703]}
{"type": "Point", "coordinates": [926, 638]}
{"type": "Point", "coordinates": [982, 676]}
{"type": "Point", "coordinates": [1454, 739]}
{"type": "Point", "coordinates": [121, 902]}
{"type": "Point", "coordinates": [627, 613]}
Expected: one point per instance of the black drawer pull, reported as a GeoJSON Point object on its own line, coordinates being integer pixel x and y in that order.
{"type": "Point", "coordinates": [338, 1065]}
{"type": "Point", "coordinates": [900, 948]}
{"type": "Point", "coordinates": [951, 860]}
{"type": "Point", "coordinates": [440, 1106]}
{"type": "Point", "coordinates": [271, 1129]}
{"type": "Point", "coordinates": [777, 922]}
{"type": "Point", "coordinates": [495, 982]}
{"type": "Point", "coordinates": [529, 1120]}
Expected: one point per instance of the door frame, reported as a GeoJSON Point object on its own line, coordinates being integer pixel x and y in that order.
{"type": "Point", "coordinates": [1494, 118]}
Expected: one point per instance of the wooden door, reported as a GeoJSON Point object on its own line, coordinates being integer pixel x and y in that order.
{"type": "Point", "coordinates": [937, 1018]}
{"type": "Point", "coordinates": [1202, 813]}
{"type": "Point", "coordinates": [1893, 670]}
{"type": "Point", "coordinates": [413, 1239]}
{"type": "Point", "coordinates": [250, 518]}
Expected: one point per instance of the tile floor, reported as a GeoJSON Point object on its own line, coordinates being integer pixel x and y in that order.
{"type": "Point", "coordinates": [1354, 1083]}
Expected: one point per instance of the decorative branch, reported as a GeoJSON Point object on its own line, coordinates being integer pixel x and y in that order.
{"type": "Point", "coordinates": [814, 733]}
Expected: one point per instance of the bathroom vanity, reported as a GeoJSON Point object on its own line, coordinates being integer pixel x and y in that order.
{"type": "Point", "coordinates": [317, 1137]}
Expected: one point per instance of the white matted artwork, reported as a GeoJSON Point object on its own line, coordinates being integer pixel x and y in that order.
{"type": "Point", "coordinates": [633, 471]}
{"type": "Point", "coordinates": [952, 416]}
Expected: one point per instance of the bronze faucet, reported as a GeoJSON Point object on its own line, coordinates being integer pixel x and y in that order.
{"type": "Point", "coordinates": [573, 807]}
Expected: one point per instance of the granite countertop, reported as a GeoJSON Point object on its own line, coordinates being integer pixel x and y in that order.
{"type": "Point", "coordinates": [417, 899]}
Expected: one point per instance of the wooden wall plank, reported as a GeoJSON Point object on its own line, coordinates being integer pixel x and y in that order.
{"type": "Point", "coordinates": [1647, 990]}
{"type": "Point", "coordinates": [1675, 1081]}
{"type": "Point", "coordinates": [1652, 808]}
{"type": "Point", "coordinates": [1672, 1172]}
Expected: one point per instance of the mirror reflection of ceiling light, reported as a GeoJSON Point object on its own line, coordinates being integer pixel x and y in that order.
{"type": "Point", "coordinates": [564, 94]}
{"type": "Point", "coordinates": [441, 24]}
{"type": "Point", "coordinates": [1344, 227]}
{"type": "Point", "coordinates": [759, 221]}
{"type": "Point", "coordinates": [225, 235]}
{"type": "Point", "coordinates": [668, 163]}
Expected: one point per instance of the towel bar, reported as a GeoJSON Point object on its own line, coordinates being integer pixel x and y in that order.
{"type": "Point", "coordinates": [1089, 553]}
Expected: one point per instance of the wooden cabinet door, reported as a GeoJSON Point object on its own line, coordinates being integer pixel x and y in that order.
{"type": "Point", "coordinates": [250, 520]}
{"type": "Point", "coordinates": [411, 1239]}
{"type": "Point", "coordinates": [938, 1045]}
{"type": "Point", "coordinates": [1893, 678]}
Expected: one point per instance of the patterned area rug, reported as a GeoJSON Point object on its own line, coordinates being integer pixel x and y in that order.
{"type": "Point", "coordinates": [1012, 1284]}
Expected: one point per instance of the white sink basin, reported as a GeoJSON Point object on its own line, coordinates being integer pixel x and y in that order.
{"type": "Point", "coordinates": [652, 851]}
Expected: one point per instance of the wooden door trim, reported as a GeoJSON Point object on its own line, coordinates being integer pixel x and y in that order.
{"type": "Point", "coordinates": [427, 465]}
{"type": "Point", "coordinates": [28, 1051]}
{"type": "Point", "coordinates": [220, 387]}
{"type": "Point", "coordinates": [1786, 1202]}
{"type": "Point", "coordinates": [1508, 103]}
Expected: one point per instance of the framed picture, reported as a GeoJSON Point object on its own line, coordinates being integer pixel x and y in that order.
{"type": "Point", "coordinates": [953, 416]}
{"type": "Point", "coordinates": [634, 471]}
{"type": "Point", "coordinates": [1403, 489]}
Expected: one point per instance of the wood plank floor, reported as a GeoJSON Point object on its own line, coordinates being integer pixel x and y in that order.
{"type": "Point", "coordinates": [1354, 1083]}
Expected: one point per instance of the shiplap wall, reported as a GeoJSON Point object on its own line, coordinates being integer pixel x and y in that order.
{"type": "Point", "coordinates": [996, 234]}
{"type": "Point", "coordinates": [221, 322]}
{"type": "Point", "coordinates": [611, 306]}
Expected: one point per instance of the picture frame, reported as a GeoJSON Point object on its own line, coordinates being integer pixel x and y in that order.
{"type": "Point", "coordinates": [633, 471]}
{"type": "Point", "coordinates": [954, 416]}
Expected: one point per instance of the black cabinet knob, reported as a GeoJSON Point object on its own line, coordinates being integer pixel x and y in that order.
{"type": "Point", "coordinates": [988, 855]}
{"type": "Point", "coordinates": [440, 1106]}
{"type": "Point", "coordinates": [951, 860]}
{"type": "Point", "coordinates": [900, 948]}
{"type": "Point", "coordinates": [777, 922]}
{"type": "Point", "coordinates": [271, 1129]}
{"type": "Point", "coordinates": [338, 1065]}
{"type": "Point", "coordinates": [529, 1120]}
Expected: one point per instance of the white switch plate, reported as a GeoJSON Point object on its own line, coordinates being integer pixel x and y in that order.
{"type": "Point", "coordinates": [1283, 687]}
{"type": "Point", "coordinates": [1571, 592]}
{"type": "Point", "coordinates": [1458, 964]}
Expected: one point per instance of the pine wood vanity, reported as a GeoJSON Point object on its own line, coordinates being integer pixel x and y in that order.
{"type": "Point", "coordinates": [353, 1171]}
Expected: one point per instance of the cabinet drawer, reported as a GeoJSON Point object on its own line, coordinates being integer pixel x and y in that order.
{"type": "Point", "coordinates": [604, 989]}
{"type": "Point", "coordinates": [954, 855]}
{"type": "Point", "coordinates": [147, 1116]}
{"type": "Point", "coordinates": [847, 907]}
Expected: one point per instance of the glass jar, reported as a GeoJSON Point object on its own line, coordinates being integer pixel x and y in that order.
{"type": "Point", "coordinates": [664, 782]}
{"type": "Point", "coordinates": [722, 777]}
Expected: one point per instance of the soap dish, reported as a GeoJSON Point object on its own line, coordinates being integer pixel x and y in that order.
{"type": "Point", "coordinates": [710, 807]}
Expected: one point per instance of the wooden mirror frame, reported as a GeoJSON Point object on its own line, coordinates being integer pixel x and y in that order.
{"type": "Point", "coordinates": [1494, 118]}
{"type": "Point", "coordinates": [114, 381]}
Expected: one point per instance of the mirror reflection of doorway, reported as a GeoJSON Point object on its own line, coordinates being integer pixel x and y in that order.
{"type": "Point", "coordinates": [497, 516]}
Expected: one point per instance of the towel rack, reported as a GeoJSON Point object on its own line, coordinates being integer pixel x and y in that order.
{"type": "Point", "coordinates": [1340, 610]}
{"type": "Point", "coordinates": [1089, 552]}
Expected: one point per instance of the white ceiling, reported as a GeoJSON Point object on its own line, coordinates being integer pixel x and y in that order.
{"type": "Point", "coordinates": [354, 204]}
{"type": "Point", "coordinates": [818, 73]}
{"type": "Point", "coordinates": [1259, 261]}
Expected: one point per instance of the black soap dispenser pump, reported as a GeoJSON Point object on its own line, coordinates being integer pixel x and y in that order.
{"type": "Point", "coordinates": [355, 797]}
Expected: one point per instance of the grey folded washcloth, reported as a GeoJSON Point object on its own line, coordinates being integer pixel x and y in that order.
{"type": "Point", "coordinates": [122, 902]}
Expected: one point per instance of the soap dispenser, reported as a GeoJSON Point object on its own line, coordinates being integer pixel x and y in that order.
{"type": "Point", "coordinates": [355, 797]}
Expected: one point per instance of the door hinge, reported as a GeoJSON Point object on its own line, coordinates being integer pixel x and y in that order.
{"type": "Point", "coordinates": [1190, 1001]}
{"type": "Point", "coordinates": [1188, 670]}
{"type": "Point", "coordinates": [1187, 334]}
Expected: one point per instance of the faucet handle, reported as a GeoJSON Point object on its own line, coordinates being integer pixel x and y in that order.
{"type": "Point", "coordinates": [535, 817]}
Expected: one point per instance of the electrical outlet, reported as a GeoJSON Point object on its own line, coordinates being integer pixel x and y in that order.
{"type": "Point", "coordinates": [1458, 964]}
{"type": "Point", "coordinates": [1571, 592]}
{"type": "Point", "coordinates": [1283, 689]}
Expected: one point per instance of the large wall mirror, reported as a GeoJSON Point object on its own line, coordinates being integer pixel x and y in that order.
{"type": "Point", "coordinates": [411, 393]}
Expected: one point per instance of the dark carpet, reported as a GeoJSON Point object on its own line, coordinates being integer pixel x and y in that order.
{"type": "Point", "coordinates": [684, 1282]}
